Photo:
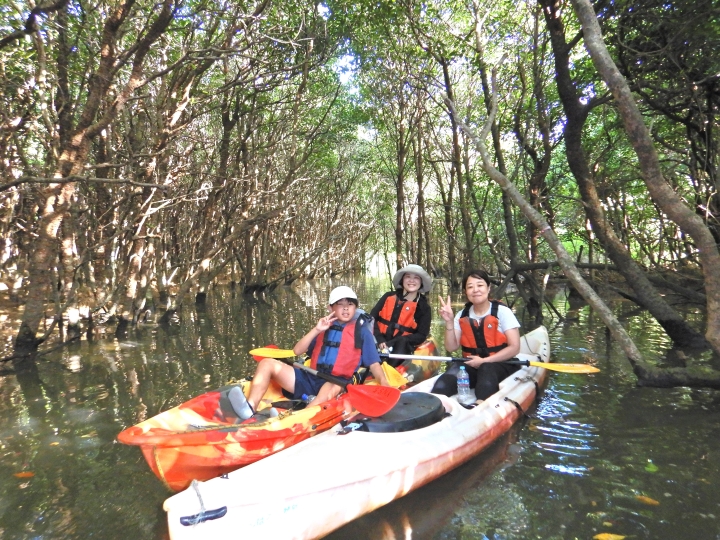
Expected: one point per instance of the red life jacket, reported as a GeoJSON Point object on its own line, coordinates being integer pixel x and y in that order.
{"type": "Point", "coordinates": [346, 361]}
{"type": "Point", "coordinates": [481, 337]}
{"type": "Point", "coordinates": [397, 317]}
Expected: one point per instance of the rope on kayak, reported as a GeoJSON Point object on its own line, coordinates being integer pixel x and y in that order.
{"type": "Point", "coordinates": [517, 406]}
{"type": "Point", "coordinates": [535, 353]}
{"type": "Point", "coordinates": [527, 342]}
{"type": "Point", "coordinates": [196, 486]}
{"type": "Point", "coordinates": [532, 380]}
{"type": "Point", "coordinates": [203, 515]}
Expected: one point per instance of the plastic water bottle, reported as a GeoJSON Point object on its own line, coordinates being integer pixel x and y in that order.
{"type": "Point", "coordinates": [465, 395]}
{"type": "Point", "coordinates": [306, 398]}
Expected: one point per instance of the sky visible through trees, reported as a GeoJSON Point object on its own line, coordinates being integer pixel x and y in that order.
{"type": "Point", "coordinates": [150, 150]}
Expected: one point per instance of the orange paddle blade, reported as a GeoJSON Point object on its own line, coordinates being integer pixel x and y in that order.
{"type": "Point", "coordinates": [372, 400]}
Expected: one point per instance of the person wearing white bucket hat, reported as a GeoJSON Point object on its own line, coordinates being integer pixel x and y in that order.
{"type": "Point", "coordinates": [403, 316]}
{"type": "Point", "coordinates": [339, 344]}
{"type": "Point", "coordinates": [343, 291]}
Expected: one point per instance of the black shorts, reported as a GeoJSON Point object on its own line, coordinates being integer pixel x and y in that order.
{"type": "Point", "coordinates": [305, 383]}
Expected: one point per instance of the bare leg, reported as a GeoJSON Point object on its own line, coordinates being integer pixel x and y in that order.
{"type": "Point", "coordinates": [270, 369]}
{"type": "Point", "coordinates": [327, 391]}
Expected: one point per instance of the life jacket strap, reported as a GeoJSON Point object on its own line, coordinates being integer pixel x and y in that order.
{"type": "Point", "coordinates": [392, 327]}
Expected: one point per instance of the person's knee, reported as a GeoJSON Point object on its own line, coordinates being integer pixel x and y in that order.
{"type": "Point", "coordinates": [445, 385]}
{"type": "Point", "coordinates": [401, 346]}
{"type": "Point", "coordinates": [487, 381]}
{"type": "Point", "coordinates": [328, 391]}
{"type": "Point", "coordinates": [269, 366]}
{"type": "Point", "coordinates": [485, 370]}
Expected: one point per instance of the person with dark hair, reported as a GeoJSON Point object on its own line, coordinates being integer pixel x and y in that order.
{"type": "Point", "coordinates": [488, 333]}
{"type": "Point", "coordinates": [403, 316]}
{"type": "Point", "coordinates": [338, 344]}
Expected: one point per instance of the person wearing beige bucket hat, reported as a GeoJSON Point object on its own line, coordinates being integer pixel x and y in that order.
{"type": "Point", "coordinates": [403, 316]}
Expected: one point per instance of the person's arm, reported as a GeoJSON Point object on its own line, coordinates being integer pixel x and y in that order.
{"type": "Point", "coordinates": [379, 374]}
{"type": "Point", "coordinates": [511, 328]}
{"type": "Point", "coordinates": [322, 325]}
{"type": "Point", "coordinates": [370, 358]}
{"type": "Point", "coordinates": [511, 351]}
{"type": "Point", "coordinates": [452, 335]}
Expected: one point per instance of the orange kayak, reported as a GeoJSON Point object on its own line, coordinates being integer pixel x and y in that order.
{"type": "Point", "coordinates": [203, 438]}
{"type": "Point", "coordinates": [416, 371]}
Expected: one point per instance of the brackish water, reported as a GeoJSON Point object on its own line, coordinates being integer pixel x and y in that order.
{"type": "Point", "coordinates": [598, 454]}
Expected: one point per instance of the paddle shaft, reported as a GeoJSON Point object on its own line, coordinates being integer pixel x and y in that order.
{"type": "Point", "coordinates": [552, 366]}
{"type": "Point", "coordinates": [453, 359]}
{"type": "Point", "coordinates": [281, 354]}
{"type": "Point", "coordinates": [369, 400]}
{"type": "Point", "coordinates": [325, 376]}
{"type": "Point", "coordinates": [563, 368]}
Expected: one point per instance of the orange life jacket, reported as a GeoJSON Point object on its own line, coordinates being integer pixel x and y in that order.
{"type": "Point", "coordinates": [397, 317]}
{"type": "Point", "coordinates": [481, 337]}
{"type": "Point", "coordinates": [337, 358]}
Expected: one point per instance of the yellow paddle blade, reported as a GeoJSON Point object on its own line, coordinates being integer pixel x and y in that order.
{"type": "Point", "coordinates": [269, 352]}
{"type": "Point", "coordinates": [566, 368]}
{"type": "Point", "coordinates": [394, 377]}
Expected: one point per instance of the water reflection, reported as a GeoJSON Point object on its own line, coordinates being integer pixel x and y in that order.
{"type": "Point", "coordinates": [600, 455]}
{"type": "Point", "coordinates": [454, 497]}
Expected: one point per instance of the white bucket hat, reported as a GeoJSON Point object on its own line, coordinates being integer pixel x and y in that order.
{"type": "Point", "coordinates": [413, 269]}
{"type": "Point", "coordinates": [338, 293]}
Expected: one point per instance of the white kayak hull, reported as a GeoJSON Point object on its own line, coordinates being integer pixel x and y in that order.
{"type": "Point", "coordinates": [318, 485]}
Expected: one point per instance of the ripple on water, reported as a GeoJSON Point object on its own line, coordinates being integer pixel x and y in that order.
{"type": "Point", "coordinates": [565, 447]}
{"type": "Point", "coordinates": [562, 440]}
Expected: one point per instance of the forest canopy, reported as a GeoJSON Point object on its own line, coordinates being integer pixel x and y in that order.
{"type": "Point", "coordinates": [149, 150]}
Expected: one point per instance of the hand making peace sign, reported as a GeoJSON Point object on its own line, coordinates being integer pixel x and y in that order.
{"type": "Point", "coordinates": [325, 323]}
{"type": "Point", "coordinates": [446, 311]}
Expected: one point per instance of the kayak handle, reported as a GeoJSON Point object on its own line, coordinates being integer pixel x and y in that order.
{"type": "Point", "coordinates": [207, 515]}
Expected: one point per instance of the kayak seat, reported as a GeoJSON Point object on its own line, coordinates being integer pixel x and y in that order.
{"type": "Point", "coordinates": [415, 410]}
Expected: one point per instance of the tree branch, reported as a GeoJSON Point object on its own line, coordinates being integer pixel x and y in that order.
{"type": "Point", "coordinates": [76, 178]}
{"type": "Point", "coordinates": [31, 22]}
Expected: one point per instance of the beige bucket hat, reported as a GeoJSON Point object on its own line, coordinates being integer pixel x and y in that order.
{"type": "Point", "coordinates": [413, 269]}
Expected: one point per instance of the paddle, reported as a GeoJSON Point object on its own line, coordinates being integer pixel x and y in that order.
{"type": "Point", "coordinates": [271, 351]}
{"type": "Point", "coordinates": [394, 377]}
{"type": "Point", "coordinates": [369, 400]}
{"type": "Point", "coordinates": [563, 368]}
